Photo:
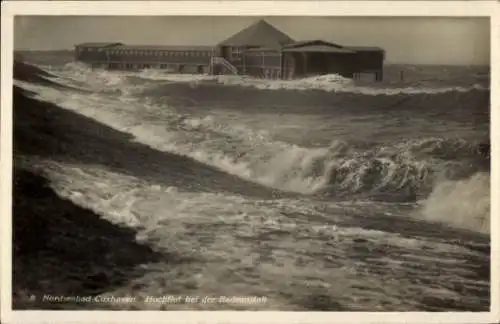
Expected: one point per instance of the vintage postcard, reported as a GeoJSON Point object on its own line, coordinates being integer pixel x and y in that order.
{"type": "Point", "coordinates": [301, 166]}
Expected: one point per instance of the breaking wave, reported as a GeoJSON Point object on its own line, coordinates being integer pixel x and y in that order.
{"type": "Point", "coordinates": [100, 78]}
{"type": "Point", "coordinates": [464, 203]}
{"type": "Point", "coordinates": [439, 171]}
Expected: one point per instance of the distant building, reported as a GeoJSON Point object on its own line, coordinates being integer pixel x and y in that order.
{"type": "Point", "coordinates": [260, 50]}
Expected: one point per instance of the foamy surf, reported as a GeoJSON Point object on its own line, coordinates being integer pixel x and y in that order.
{"type": "Point", "coordinates": [355, 207]}
{"type": "Point", "coordinates": [463, 203]}
{"type": "Point", "coordinates": [175, 220]}
{"type": "Point", "coordinates": [329, 83]}
{"type": "Point", "coordinates": [257, 157]}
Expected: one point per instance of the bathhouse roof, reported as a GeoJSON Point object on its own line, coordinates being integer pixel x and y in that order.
{"type": "Point", "coordinates": [365, 48]}
{"type": "Point", "coordinates": [165, 47]}
{"type": "Point", "coordinates": [260, 33]}
{"type": "Point", "coordinates": [318, 48]}
{"type": "Point", "coordinates": [316, 45]}
{"type": "Point", "coordinates": [305, 43]}
{"type": "Point", "coordinates": [107, 44]}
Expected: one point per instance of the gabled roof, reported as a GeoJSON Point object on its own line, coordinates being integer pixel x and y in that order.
{"type": "Point", "coordinates": [366, 48]}
{"type": "Point", "coordinates": [260, 33]}
{"type": "Point", "coordinates": [319, 49]}
{"type": "Point", "coordinates": [164, 47]}
{"type": "Point", "coordinates": [99, 44]}
{"type": "Point", "coordinates": [313, 42]}
{"type": "Point", "coordinates": [316, 45]}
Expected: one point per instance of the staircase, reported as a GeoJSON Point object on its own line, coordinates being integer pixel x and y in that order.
{"type": "Point", "coordinates": [220, 61]}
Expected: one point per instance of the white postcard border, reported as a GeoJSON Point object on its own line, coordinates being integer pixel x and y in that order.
{"type": "Point", "coordinates": [243, 8]}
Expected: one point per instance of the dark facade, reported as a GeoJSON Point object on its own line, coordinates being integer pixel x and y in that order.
{"type": "Point", "coordinates": [259, 50]}
{"type": "Point", "coordinates": [126, 57]}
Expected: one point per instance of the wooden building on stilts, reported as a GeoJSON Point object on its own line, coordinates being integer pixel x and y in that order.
{"type": "Point", "coordinates": [260, 50]}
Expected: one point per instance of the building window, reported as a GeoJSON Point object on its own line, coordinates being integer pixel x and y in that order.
{"type": "Point", "coordinates": [235, 52]}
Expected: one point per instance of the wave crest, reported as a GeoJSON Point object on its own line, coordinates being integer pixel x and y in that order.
{"type": "Point", "coordinates": [117, 80]}
{"type": "Point", "coordinates": [463, 203]}
{"type": "Point", "coordinates": [409, 168]}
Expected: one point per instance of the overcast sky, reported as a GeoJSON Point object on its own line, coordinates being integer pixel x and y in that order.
{"type": "Point", "coordinates": [406, 40]}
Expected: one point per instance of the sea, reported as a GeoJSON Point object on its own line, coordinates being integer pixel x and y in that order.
{"type": "Point", "coordinates": [327, 194]}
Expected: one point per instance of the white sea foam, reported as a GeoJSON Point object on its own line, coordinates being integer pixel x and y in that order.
{"type": "Point", "coordinates": [274, 241]}
{"type": "Point", "coordinates": [298, 247]}
{"type": "Point", "coordinates": [330, 83]}
{"type": "Point", "coordinates": [278, 164]}
{"type": "Point", "coordinates": [251, 155]}
{"type": "Point", "coordinates": [463, 203]}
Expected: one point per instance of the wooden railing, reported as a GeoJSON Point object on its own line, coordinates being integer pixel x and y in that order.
{"type": "Point", "coordinates": [218, 60]}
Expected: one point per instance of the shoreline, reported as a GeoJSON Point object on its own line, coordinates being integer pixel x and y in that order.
{"type": "Point", "coordinates": [51, 257]}
{"type": "Point", "coordinates": [60, 248]}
